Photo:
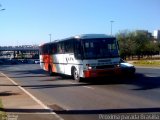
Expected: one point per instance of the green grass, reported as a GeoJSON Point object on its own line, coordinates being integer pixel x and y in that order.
{"type": "Point", "coordinates": [2, 114]}
{"type": "Point", "coordinates": [147, 63]}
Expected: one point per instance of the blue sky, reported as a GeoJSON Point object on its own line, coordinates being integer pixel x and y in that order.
{"type": "Point", "coordinates": [31, 21]}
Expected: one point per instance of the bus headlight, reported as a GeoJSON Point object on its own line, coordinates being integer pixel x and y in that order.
{"type": "Point", "coordinates": [118, 65]}
{"type": "Point", "coordinates": [88, 67]}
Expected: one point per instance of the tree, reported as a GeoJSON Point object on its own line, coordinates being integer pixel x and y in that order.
{"type": "Point", "coordinates": [126, 43]}
{"type": "Point", "coordinates": [136, 43]}
{"type": "Point", "coordinates": [151, 49]}
{"type": "Point", "coordinates": [141, 39]}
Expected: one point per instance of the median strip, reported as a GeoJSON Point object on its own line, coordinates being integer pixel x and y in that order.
{"type": "Point", "coordinates": [147, 63]}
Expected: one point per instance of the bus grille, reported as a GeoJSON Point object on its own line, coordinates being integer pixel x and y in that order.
{"type": "Point", "coordinates": [105, 67]}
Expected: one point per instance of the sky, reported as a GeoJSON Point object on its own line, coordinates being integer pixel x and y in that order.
{"type": "Point", "coordinates": [28, 22]}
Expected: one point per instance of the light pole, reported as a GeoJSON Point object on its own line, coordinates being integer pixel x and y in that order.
{"type": "Point", "coordinates": [50, 37]}
{"type": "Point", "coordinates": [111, 25]}
{"type": "Point", "coordinates": [2, 9]}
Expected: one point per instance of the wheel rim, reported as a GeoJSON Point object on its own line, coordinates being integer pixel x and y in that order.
{"type": "Point", "coordinates": [76, 76]}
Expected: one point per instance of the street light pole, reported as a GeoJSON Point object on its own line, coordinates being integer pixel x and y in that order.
{"type": "Point", "coordinates": [111, 26]}
{"type": "Point", "coordinates": [2, 9]}
{"type": "Point", "coordinates": [50, 37]}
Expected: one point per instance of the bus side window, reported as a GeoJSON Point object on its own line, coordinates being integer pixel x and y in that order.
{"type": "Point", "coordinates": [68, 46]}
{"type": "Point", "coordinates": [53, 49]}
{"type": "Point", "coordinates": [77, 49]}
{"type": "Point", "coordinates": [49, 49]}
{"type": "Point", "coordinates": [59, 48]}
{"type": "Point", "coordinates": [45, 50]}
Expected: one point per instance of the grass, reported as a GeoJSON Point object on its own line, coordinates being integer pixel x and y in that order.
{"type": "Point", "coordinates": [147, 63]}
{"type": "Point", "coordinates": [2, 114]}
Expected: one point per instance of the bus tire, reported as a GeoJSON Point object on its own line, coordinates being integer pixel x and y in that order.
{"type": "Point", "coordinates": [75, 75]}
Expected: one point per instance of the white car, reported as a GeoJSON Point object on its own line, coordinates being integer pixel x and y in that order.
{"type": "Point", "coordinates": [127, 68]}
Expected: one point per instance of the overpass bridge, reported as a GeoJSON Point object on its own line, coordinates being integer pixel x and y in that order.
{"type": "Point", "coordinates": [19, 51]}
{"type": "Point", "coordinates": [19, 48]}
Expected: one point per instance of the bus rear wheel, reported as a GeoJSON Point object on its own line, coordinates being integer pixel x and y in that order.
{"type": "Point", "coordinates": [76, 75]}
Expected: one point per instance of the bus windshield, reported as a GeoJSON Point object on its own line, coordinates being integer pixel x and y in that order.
{"type": "Point", "coordinates": [100, 48]}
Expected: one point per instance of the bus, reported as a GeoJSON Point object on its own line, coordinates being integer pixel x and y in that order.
{"type": "Point", "coordinates": [81, 56]}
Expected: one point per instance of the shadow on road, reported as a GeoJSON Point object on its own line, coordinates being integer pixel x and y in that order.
{"type": "Point", "coordinates": [141, 81]}
{"type": "Point", "coordinates": [8, 93]}
{"type": "Point", "coordinates": [109, 111]}
{"type": "Point", "coordinates": [146, 83]}
{"type": "Point", "coordinates": [77, 112]}
{"type": "Point", "coordinates": [53, 86]}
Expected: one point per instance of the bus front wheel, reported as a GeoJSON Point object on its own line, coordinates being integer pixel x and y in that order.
{"type": "Point", "coordinates": [76, 75]}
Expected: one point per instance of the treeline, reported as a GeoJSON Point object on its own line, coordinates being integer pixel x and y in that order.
{"type": "Point", "coordinates": [137, 44]}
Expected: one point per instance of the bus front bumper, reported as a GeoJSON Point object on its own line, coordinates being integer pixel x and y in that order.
{"type": "Point", "coordinates": [101, 72]}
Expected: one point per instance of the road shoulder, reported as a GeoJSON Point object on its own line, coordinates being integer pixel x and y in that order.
{"type": "Point", "coordinates": [19, 104]}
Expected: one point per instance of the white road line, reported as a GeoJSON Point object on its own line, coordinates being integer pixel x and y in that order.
{"type": "Point", "coordinates": [33, 97]}
{"type": "Point", "coordinates": [88, 87]}
{"type": "Point", "coordinates": [147, 75]}
{"type": "Point", "coordinates": [83, 86]}
{"type": "Point", "coordinates": [73, 83]}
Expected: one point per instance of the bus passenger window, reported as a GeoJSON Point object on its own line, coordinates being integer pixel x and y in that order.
{"type": "Point", "coordinates": [77, 50]}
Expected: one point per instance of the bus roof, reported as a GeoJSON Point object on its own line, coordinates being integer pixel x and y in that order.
{"type": "Point", "coordinates": [82, 36]}
{"type": "Point", "coordinates": [89, 36]}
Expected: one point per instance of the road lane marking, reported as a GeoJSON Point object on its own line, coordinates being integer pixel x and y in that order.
{"type": "Point", "coordinates": [88, 87]}
{"type": "Point", "coordinates": [147, 75]}
{"type": "Point", "coordinates": [83, 86]}
{"type": "Point", "coordinates": [33, 97]}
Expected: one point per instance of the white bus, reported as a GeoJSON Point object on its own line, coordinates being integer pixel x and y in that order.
{"type": "Point", "coordinates": [82, 56]}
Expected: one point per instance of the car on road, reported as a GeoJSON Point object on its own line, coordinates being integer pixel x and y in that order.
{"type": "Point", "coordinates": [127, 68]}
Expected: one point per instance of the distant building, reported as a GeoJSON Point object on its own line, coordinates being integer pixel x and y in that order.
{"type": "Point", "coordinates": [149, 35]}
{"type": "Point", "coordinates": [156, 34]}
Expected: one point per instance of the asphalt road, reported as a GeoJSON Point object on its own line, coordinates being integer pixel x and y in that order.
{"type": "Point", "coordinates": [90, 98]}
